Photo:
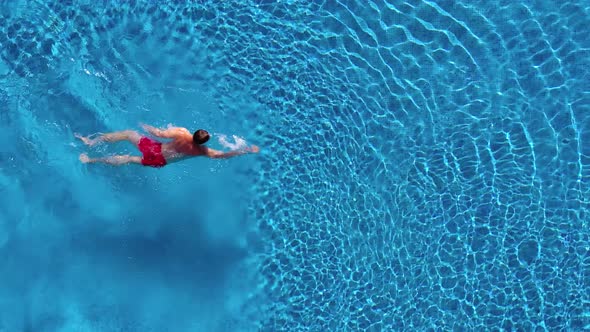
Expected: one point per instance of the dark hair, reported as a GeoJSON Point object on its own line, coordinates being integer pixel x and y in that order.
{"type": "Point", "coordinates": [200, 136]}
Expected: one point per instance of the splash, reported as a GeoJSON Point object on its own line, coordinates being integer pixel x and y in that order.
{"type": "Point", "coordinates": [238, 143]}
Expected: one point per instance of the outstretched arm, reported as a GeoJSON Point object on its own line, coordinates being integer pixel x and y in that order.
{"type": "Point", "coordinates": [224, 155]}
{"type": "Point", "coordinates": [171, 132]}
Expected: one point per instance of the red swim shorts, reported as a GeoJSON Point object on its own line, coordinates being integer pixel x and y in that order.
{"type": "Point", "coordinates": [152, 152]}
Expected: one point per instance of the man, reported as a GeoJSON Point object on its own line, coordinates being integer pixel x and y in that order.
{"type": "Point", "coordinates": [183, 145]}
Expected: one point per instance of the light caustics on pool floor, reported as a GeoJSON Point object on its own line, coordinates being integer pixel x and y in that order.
{"type": "Point", "coordinates": [428, 162]}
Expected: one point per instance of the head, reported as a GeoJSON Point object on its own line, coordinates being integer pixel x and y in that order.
{"type": "Point", "coordinates": [200, 137]}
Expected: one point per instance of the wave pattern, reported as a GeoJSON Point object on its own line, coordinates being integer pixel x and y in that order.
{"type": "Point", "coordinates": [426, 164]}
{"type": "Point", "coordinates": [430, 170]}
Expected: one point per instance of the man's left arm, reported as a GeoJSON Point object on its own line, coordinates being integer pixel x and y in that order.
{"type": "Point", "coordinates": [171, 132]}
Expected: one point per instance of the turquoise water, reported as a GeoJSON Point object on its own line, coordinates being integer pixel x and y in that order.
{"type": "Point", "coordinates": [424, 166]}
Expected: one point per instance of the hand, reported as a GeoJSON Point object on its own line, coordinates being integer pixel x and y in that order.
{"type": "Point", "coordinates": [254, 149]}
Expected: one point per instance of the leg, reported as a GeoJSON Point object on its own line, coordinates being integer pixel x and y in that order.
{"type": "Point", "coordinates": [113, 160]}
{"type": "Point", "coordinates": [125, 135]}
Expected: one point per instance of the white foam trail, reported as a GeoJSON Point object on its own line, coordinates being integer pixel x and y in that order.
{"type": "Point", "coordinates": [239, 142]}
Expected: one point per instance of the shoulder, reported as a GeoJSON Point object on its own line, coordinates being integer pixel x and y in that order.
{"type": "Point", "coordinates": [187, 147]}
{"type": "Point", "coordinates": [205, 151]}
{"type": "Point", "coordinates": [182, 131]}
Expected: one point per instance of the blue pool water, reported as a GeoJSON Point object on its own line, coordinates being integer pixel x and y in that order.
{"type": "Point", "coordinates": [425, 165]}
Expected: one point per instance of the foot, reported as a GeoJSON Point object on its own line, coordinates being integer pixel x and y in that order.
{"type": "Point", "coordinates": [86, 140]}
{"type": "Point", "coordinates": [84, 158]}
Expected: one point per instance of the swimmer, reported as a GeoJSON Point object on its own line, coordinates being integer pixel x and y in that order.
{"type": "Point", "coordinates": [183, 145]}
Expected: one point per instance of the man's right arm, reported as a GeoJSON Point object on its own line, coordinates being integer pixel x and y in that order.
{"type": "Point", "coordinates": [215, 154]}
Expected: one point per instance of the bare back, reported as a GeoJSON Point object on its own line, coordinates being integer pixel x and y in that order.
{"type": "Point", "coordinates": [182, 147]}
